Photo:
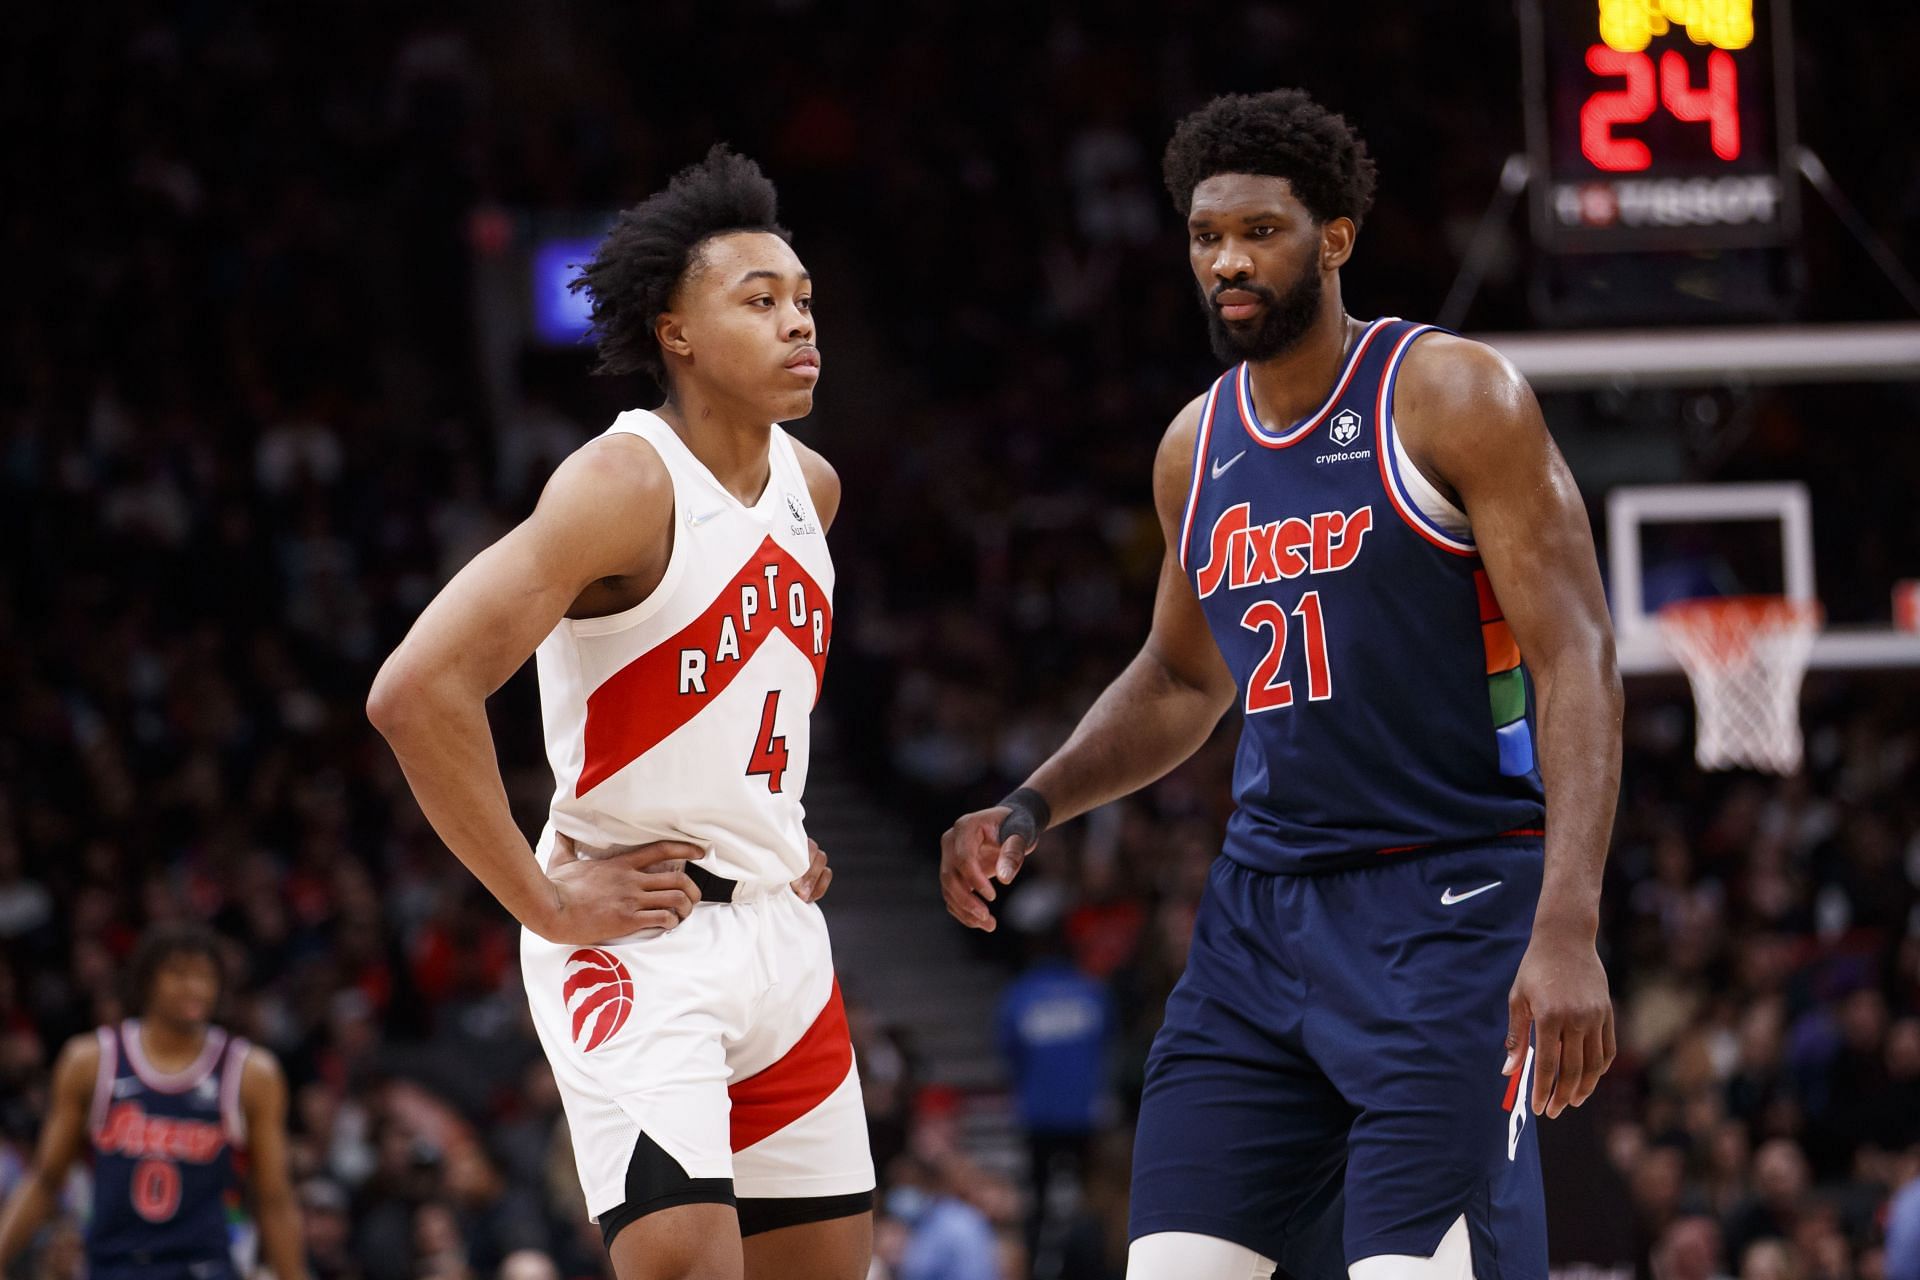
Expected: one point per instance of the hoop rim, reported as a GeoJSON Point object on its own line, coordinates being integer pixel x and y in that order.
{"type": "Point", "coordinates": [1718, 630]}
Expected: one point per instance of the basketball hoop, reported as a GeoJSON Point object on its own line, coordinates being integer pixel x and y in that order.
{"type": "Point", "coordinates": [1745, 657]}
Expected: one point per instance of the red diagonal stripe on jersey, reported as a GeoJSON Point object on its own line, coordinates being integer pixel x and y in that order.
{"type": "Point", "coordinates": [805, 1077]}
{"type": "Point", "coordinates": [635, 709]}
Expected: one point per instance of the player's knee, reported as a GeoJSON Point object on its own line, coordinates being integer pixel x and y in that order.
{"type": "Point", "coordinates": [1185, 1255]}
{"type": "Point", "coordinates": [676, 1245]}
{"type": "Point", "coordinates": [1453, 1260]}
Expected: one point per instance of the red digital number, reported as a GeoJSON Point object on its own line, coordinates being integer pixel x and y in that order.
{"type": "Point", "coordinates": [1611, 107]}
{"type": "Point", "coordinates": [769, 757]}
{"type": "Point", "coordinates": [1718, 104]}
{"type": "Point", "coordinates": [156, 1190]}
{"type": "Point", "coordinates": [1264, 691]}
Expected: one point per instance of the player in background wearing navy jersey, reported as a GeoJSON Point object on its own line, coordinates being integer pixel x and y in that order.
{"type": "Point", "coordinates": [1367, 525]}
{"type": "Point", "coordinates": [169, 1109]}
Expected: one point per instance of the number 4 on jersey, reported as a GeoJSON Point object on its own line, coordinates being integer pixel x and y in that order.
{"type": "Point", "coordinates": [769, 752]}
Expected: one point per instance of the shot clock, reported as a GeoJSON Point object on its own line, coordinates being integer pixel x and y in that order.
{"type": "Point", "coordinates": [1659, 125]}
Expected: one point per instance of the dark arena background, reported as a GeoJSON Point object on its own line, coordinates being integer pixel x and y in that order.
{"type": "Point", "coordinates": [286, 341]}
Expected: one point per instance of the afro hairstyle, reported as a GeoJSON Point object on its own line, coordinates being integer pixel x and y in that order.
{"type": "Point", "coordinates": [647, 253]}
{"type": "Point", "coordinates": [1281, 134]}
{"type": "Point", "coordinates": [163, 943]}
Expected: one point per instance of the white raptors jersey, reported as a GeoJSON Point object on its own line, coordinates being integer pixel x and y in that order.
{"type": "Point", "coordinates": [685, 717]}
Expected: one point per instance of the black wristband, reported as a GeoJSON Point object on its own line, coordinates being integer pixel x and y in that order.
{"type": "Point", "coordinates": [1030, 804]}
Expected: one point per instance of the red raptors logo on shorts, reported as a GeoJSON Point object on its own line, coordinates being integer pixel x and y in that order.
{"type": "Point", "coordinates": [599, 995]}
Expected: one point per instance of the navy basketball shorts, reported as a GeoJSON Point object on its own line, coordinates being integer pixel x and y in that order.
{"type": "Point", "coordinates": [1327, 1084]}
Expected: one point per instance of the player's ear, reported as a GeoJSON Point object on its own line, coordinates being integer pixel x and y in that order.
{"type": "Point", "coordinates": [1336, 242]}
{"type": "Point", "coordinates": [670, 331]}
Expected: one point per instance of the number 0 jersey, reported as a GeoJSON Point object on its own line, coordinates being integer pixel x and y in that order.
{"type": "Point", "coordinates": [1386, 706]}
{"type": "Point", "coordinates": [685, 717]}
{"type": "Point", "coordinates": [165, 1183]}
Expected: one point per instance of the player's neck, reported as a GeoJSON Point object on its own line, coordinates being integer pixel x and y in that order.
{"type": "Point", "coordinates": [730, 440]}
{"type": "Point", "coordinates": [1294, 383]}
{"type": "Point", "coordinates": [172, 1046]}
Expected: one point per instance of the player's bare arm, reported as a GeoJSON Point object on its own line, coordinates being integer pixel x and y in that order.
{"type": "Point", "coordinates": [597, 542]}
{"type": "Point", "coordinates": [62, 1134]}
{"type": "Point", "coordinates": [1155, 714]}
{"type": "Point", "coordinates": [1471, 423]}
{"type": "Point", "coordinates": [263, 1101]}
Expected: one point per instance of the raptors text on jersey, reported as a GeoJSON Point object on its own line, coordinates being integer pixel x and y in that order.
{"type": "Point", "coordinates": [686, 716]}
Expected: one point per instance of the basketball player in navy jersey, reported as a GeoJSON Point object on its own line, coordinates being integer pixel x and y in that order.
{"type": "Point", "coordinates": [169, 1108]}
{"type": "Point", "coordinates": [1394, 963]}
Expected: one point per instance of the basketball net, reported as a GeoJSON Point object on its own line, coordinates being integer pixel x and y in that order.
{"type": "Point", "coordinates": [1745, 657]}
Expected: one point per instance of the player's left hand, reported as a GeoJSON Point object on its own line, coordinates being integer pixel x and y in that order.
{"type": "Point", "coordinates": [813, 886]}
{"type": "Point", "coordinates": [1561, 990]}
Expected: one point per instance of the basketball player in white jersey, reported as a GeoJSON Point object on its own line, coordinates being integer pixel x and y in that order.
{"type": "Point", "coordinates": [675, 584]}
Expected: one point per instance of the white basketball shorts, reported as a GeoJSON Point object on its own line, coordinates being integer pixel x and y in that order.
{"type": "Point", "coordinates": [724, 1041]}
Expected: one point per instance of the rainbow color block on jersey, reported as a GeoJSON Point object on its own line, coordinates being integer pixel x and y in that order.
{"type": "Point", "coordinates": [1506, 683]}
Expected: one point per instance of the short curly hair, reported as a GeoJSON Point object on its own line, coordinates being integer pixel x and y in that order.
{"type": "Point", "coordinates": [634, 272]}
{"type": "Point", "coordinates": [163, 943]}
{"type": "Point", "coordinates": [1283, 134]}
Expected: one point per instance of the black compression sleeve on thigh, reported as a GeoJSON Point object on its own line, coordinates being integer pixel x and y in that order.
{"type": "Point", "coordinates": [763, 1213]}
{"type": "Point", "coordinates": [655, 1181]}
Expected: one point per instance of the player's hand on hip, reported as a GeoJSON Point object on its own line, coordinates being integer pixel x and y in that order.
{"type": "Point", "coordinates": [984, 846]}
{"type": "Point", "coordinates": [609, 897]}
{"type": "Point", "coordinates": [1561, 990]}
{"type": "Point", "coordinates": [813, 886]}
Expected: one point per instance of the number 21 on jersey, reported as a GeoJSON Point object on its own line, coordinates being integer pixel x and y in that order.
{"type": "Point", "coordinates": [1264, 691]}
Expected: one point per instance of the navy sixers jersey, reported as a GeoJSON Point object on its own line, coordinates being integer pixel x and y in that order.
{"type": "Point", "coordinates": [164, 1145]}
{"type": "Point", "coordinates": [1386, 706]}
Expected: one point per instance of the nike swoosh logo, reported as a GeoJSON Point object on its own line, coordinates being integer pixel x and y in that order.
{"type": "Point", "coordinates": [1220, 468]}
{"type": "Point", "coordinates": [696, 521]}
{"type": "Point", "coordinates": [1448, 898]}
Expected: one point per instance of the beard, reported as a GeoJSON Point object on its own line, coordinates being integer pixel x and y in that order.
{"type": "Point", "coordinates": [1286, 319]}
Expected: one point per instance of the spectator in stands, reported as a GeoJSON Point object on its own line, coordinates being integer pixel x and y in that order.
{"type": "Point", "coordinates": [528, 1264]}
{"type": "Point", "coordinates": [948, 1238]}
{"type": "Point", "coordinates": [1056, 1027]}
{"type": "Point", "coordinates": [1689, 1250]}
{"type": "Point", "coordinates": [1903, 1221]}
{"type": "Point", "coordinates": [1779, 1195]}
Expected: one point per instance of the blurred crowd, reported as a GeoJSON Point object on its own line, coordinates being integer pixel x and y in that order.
{"type": "Point", "coordinates": [247, 430]}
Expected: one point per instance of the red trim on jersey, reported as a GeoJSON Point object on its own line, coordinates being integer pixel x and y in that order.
{"type": "Point", "coordinates": [1513, 1088]}
{"type": "Point", "coordinates": [1383, 432]}
{"type": "Point", "coordinates": [1517, 831]}
{"type": "Point", "coordinates": [1201, 441]}
{"type": "Point", "coordinates": [1489, 603]}
{"type": "Point", "coordinates": [638, 706]}
{"type": "Point", "coordinates": [804, 1077]}
{"type": "Point", "coordinates": [1243, 386]}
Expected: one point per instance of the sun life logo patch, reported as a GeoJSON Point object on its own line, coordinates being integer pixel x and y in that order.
{"type": "Point", "coordinates": [802, 524]}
